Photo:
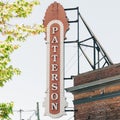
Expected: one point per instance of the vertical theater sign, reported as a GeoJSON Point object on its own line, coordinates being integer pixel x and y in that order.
{"type": "Point", "coordinates": [56, 24]}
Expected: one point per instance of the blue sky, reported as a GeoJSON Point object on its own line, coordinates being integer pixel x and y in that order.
{"type": "Point", "coordinates": [25, 90]}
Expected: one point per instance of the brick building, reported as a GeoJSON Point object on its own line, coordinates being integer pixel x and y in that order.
{"type": "Point", "coordinates": [97, 94]}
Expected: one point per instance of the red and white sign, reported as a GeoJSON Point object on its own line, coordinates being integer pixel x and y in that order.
{"type": "Point", "coordinates": [56, 28]}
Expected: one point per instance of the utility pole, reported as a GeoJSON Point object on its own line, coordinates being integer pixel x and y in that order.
{"type": "Point", "coordinates": [20, 114]}
{"type": "Point", "coordinates": [38, 115]}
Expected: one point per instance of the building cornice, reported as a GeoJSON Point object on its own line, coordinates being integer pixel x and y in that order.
{"type": "Point", "coordinates": [110, 81]}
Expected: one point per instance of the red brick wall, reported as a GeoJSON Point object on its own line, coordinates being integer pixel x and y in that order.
{"type": "Point", "coordinates": [108, 109]}
{"type": "Point", "coordinates": [106, 90]}
{"type": "Point", "coordinates": [105, 109]}
{"type": "Point", "coordinates": [97, 74]}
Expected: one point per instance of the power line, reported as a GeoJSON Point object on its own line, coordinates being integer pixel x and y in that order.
{"type": "Point", "coordinates": [31, 116]}
{"type": "Point", "coordinates": [20, 111]}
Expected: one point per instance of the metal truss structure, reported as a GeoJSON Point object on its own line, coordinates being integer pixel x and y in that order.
{"type": "Point", "coordinates": [99, 57]}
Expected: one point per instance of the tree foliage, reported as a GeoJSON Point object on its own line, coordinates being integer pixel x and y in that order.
{"type": "Point", "coordinates": [11, 34]}
{"type": "Point", "coordinates": [5, 110]}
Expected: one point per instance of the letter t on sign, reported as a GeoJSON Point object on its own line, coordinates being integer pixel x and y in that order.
{"type": "Point", "coordinates": [56, 24]}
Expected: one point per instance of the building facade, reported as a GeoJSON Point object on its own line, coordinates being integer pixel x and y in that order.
{"type": "Point", "coordinates": [97, 94]}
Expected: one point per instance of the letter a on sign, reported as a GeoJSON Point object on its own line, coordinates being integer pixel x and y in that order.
{"type": "Point", "coordinates": [56, 24]}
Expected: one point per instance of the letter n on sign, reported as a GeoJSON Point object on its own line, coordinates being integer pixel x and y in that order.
{"type": "Point", "coordinates": [56, 25]}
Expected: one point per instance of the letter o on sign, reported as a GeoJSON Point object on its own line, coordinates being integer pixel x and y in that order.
{"type": "Point", "coordinates": [54, 96]}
